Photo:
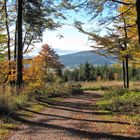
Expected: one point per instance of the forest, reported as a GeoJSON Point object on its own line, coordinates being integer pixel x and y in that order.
{"type": "Point", "coordinates": [42, 99]}
{"type": "Point", "coordinates": [90, 72]}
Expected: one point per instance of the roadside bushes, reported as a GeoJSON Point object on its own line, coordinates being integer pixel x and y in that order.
{"type": "Point", "coordinates": [75, 88]}
{"type": "Point", "coordinates": [123, 101]}
{"type": "Point", "coordinates": [56, 90]}
{"type": "Point", "coordinates": [51, 90]}
{"type": "Point", "coordinates": [10, 102]}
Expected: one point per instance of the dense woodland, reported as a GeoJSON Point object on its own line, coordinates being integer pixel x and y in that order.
{"type": "Point", "coordinates": [24, 81]}
{"type": "Point", "coordinates": [89, 72]}
{"type": "Point", "coordinates": [23, 23]}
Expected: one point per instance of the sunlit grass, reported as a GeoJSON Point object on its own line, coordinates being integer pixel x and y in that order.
{"type": "Point", "coordinates": [105, 85]}
{"type": "Point", "coordinates": [5, 129]}
{"type": "Point", "coordinates": [116, 99]}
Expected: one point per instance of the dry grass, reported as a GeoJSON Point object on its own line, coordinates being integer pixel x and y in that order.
{"type": "Point", "coordinates": [109, 84]}
{"type": "Point", "coordinates": [10, 100]}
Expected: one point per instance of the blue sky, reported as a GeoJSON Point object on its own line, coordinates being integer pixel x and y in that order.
{"type": "Point", "coordinates": [73, 40]}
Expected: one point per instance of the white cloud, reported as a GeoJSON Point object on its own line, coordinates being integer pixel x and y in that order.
{"type": "Point", "coordinates": [73, 39]}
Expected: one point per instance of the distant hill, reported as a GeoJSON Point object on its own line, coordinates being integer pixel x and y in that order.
{"type": "Point", "coordinates": [75, 59]}
{"type": "Point", "coordinates": [64, 52]}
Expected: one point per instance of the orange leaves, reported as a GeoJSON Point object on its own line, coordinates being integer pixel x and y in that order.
{"type": "Point", "coordinates": [48, 58]}
{"type": "Point", "coordinates": [7, 71]}
{"type": "Point", "coordinates": [35, 70]}
{"type": "Point", "coordinates": [38, 69]}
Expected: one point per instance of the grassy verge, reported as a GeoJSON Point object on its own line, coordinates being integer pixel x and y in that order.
{"type": "Point", "coordinates": [101, 85]}
{"type": "Point", "coordinates": [107, 85]}
{"type": "Point", "coordinates": [121, 101]}
{"type": "Point", "coordinates": [125, 104]}
{"type": "Point", "coordinates": [5, 129]}
{"type": "Point", "coordinates": [26, 104]}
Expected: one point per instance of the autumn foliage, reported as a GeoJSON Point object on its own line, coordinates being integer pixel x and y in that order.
{"type": "Point", "coordinates": [37, 69]}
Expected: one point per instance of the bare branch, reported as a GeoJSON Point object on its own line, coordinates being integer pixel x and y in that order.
{"type": "Point", "coordinates": [121, 2]}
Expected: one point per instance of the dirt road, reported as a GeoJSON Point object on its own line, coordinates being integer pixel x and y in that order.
{"type": "Point", "coordinates": [75, 118]}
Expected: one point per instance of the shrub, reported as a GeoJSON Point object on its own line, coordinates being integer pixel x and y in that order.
{"type": "Point", "coordinates": [114, 93]}
{"type": "Point", "coordinates": [56, 90]}
{"type": "Point", "coordinates": [75, 88]}
{"type": "Point", "coordinates": [11, 102]}
{"type": "Point", "coordinates": [122, 101]}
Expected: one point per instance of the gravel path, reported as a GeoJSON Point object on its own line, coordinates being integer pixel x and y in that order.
{"type": "Point", "coordinates": [75, 118]}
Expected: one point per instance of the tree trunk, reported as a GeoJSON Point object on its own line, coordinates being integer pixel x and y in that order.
{"type": "Point", "coordinates": [127, 73]}
{"type": "Point", "coordinates": [7, 29]}
{"type": "Point", "coordinates": [138, 17]}
{"type": "Point", "coordinates": [124, 77]}
{"type": "Point", "coordinates": [19, 45]}
{"type": "Point", "coordinates": [126, 57]}
{"type": "Point", "coordinates": [15, 45]}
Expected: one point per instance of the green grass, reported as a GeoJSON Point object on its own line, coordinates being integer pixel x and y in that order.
{"type": "Point", "coordinates": [5, 129]}
{"type": "Point", "coordinates": [121, 101]}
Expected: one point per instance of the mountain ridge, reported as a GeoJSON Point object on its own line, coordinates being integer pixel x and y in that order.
{"type": "Point", "coordinates": [75, 59]}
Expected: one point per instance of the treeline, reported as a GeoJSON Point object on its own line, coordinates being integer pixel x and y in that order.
{"type": "Point", "coordinates": [90, 72]}
{"type": "Point", "coordinates": [41, 79]}
{"type": "Point", "coordinates": [23, 23]}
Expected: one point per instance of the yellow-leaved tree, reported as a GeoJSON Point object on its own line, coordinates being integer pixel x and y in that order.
{"type": "Point", "coordinates": [120, 39]}
{"type": "Point", "coordinates": [41, 69]}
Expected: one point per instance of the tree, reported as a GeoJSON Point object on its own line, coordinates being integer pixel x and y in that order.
{"type": "Point", "coordinates": [81, 73]}
{"type": "Point", "coordinates": [87, 71]}
{"type": "Point", "coordinates": [32, 20]}
{"type": "Point", "coordinates": [38, 16]}
{"type": "Point", "coordinates": [67, 75]}
{"type": "Point", "coordinates": [105, 11]}
{"type": "Point", "coordinates": [7, 29]}
{"type": "Point", "coordinates": [49, 57]}
{"type": "Point", "coordinates": [120, 39]}
{"type": "Point", "coordinates": [6, 14]}
{"type": "Point", "coordinates": [138, 17]}
{"type": "Point", "coordinates": [20, 47]}
{"type": "Point", "coordinates": [41, 69]}
{"type": "Point", "coordinates": [92, 73]}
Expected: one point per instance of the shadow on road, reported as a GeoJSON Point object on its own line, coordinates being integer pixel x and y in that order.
{"type": "Point", "coordinates": [85, 106]}
{"type": "Point", "coordinates": [80, 133]}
